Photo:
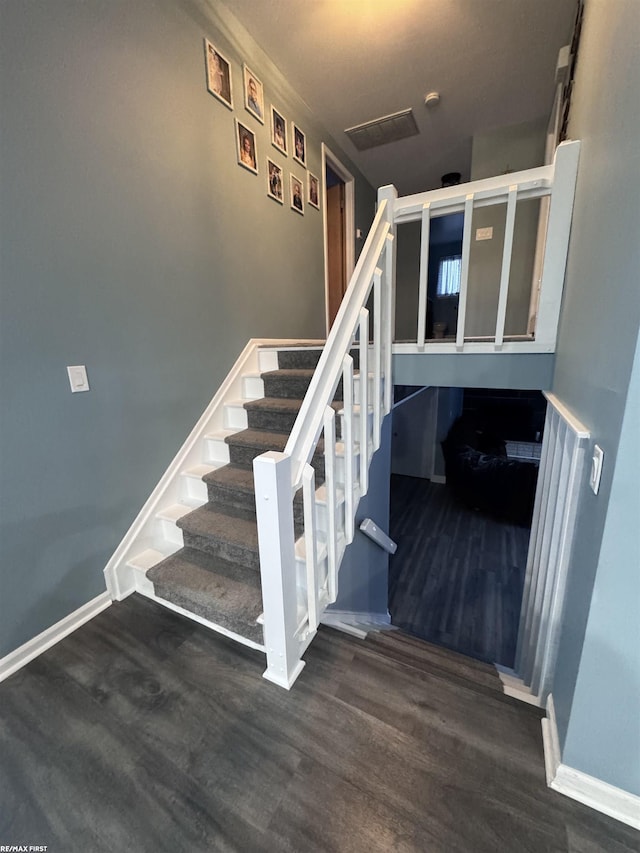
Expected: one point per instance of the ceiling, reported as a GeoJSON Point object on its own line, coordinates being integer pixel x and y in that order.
{"type": "Point", "coordinates": [493, 62]}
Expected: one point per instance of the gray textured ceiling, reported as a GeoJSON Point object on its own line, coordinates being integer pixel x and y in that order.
{"type": "Point", "coordinates": [493, 61]}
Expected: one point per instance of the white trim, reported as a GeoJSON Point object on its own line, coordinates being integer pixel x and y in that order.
{"type": "Point", "coordinates": [566, 414]}
{"type": "Point", "coordinates": [119, 577]}
{"type": "Point", "coordinates": [472, 347]}
{"type": "Point", "coordinates": [328, 157]}
{"type": "Point", "coordinates": [438, 478]}
{"type": "Point", "coordinates": [355, 623]}
{"type": "Point", "coordinates": [514, 686]}
{"type": "Point", "coordinates": [586, 789]}
{"type": "Point", "coordinates": [37, 645]}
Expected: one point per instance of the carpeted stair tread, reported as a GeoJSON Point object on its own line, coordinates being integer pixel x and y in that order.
{"type": "Point", "coordinates": [231, 535]}
{"type": "Point", "coordinates": [222, 592]}
{"type": "Point", "coordinates": [276, 414]}
{"type": "Point", "coordinates": [260, 439]}
{"type": "Point", "coordinates": [292, 384]}
{"type": "Point", "coordinates": [303, 358]}
{"type": "Point", "coordinates": [231, 486]}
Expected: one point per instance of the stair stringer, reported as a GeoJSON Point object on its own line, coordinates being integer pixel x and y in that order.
{"type": "Point", "coordinates": [121, 575]}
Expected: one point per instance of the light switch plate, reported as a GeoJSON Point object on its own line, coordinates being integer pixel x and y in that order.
{"type": "Point", "coordinates": [484, 233]}
{"type": "Point", "coordinates": [78, 378]}
{"type": "Point", "coordinates": [596, 468]}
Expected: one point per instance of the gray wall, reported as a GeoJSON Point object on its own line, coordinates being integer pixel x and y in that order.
{"type": "Point", "coordinates": [132, 242]}
{"type": "Point", "coordinates": [488, 370]}
{"type": "Point", "coordinates": [363, 582]}
{"type": "Point", "coordinates": [420, 423]}
{"type": "Point", "coordinates": [603, 736]}
{"type": "Point", "coordinates": [599, 664]}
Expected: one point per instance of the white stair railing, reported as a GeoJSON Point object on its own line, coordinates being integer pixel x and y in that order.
{"type": "Point", "coordinates": [297, 585]}
{"type": "Point", "coordinates": [299, 579]}
{"type": "Point", "coordinates": [555, 183]}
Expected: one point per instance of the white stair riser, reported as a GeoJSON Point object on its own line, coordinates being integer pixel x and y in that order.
{"type": "Point", "coordinates": [235, 417]}
{"type": "Point", "coordinates": [194, 489]}
{"type": "Point", "coordinates": [268, 360]}
{"type": "Point", "coordinates": [169, 532]}
{"type": "Point", "coordinates": [252, 387]}
{"type": "Point", "coordinates": [216, 451]}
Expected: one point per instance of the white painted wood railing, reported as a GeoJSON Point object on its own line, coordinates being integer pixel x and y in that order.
{"type": "Point", "coordinates": [560, 480]}
{"type": "Point", "coordinates": [300, 579]}
{"type": "Point", "coordinates": [556, 183]}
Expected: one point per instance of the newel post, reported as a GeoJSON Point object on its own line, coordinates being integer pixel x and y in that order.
{"type": "Point", "coordinates": [390, 195]}
{"type": "Point", "coordinates": [274, 509]}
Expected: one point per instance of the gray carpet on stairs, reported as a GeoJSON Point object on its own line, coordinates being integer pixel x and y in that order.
{"type": "Point", "coordinates": [217, 574]}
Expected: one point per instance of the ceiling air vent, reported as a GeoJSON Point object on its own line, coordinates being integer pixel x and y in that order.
{"type": "Point", "coordinates": [383, 130]}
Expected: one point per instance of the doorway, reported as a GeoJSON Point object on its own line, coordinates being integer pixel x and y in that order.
{"type": "Point", "coordinates": [338, 211]}
{"type": "Point", "coordinates": [465, 465]}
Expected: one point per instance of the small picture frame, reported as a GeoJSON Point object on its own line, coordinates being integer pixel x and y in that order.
{"type": "Point", "coordinates": [313, 187]}
{"type": "Point", "coordinates": [219, 81]}
{"type": "Point", "coordinates": [297, 194]}
{"type": "Point", "coordinates": [253, 94]}
{"type": "Point", "coordinates": [275, 181]}
{"type": "Point", "coordinates": [299, 146]}
{"type": "Point", "coordinates": [278, 131]}
{"type": "Point", "coordinates": [247, 147]}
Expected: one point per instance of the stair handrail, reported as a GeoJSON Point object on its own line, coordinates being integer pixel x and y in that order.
{"type": "Point", "coordinates": [292, 606]}
{"type": "Point", "coordinates": [308, 425]}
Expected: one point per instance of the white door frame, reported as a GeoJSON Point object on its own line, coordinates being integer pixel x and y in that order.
{"type": "Point", "coordinates": [330, 159]}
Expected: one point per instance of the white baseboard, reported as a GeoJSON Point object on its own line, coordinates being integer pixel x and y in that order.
{"type": "Point", "coordinates": [23, 654]}
{"type": "Point", "coordinates": [586, 789]}
{"type": "Point", "coordinates": [516, 688]}
{"type": "Point", "coordinates": [438, 478]}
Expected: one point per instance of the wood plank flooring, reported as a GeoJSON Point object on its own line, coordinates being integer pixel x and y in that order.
{"type": "Point", "coordinates": [143, 731]}
{"type": "Point", "coordinates": [457, 576]}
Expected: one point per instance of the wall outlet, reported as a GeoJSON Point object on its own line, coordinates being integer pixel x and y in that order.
{"type": "Point", "coordinates": [484, 233]}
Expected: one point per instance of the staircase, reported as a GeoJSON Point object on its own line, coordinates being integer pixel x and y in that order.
{"type": "Point", "coordinates": [216, 574]}
{"type": "Point", "coordinates": [247, 528]}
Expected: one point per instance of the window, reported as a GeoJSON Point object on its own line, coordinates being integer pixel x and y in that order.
{"type": "Point", "coordinates": [449, 276]}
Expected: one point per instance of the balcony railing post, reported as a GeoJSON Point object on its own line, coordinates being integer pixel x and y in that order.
{"type": "Point", "coordinates": [557, 243]}
{"type": "Point", "coordinates": [389, 194]}
{"type": "Point", "coordinates": [274, 510]}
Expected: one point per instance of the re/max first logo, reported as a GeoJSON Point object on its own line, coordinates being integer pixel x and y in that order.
{"type": "Point", "coordinates": [23, 848]}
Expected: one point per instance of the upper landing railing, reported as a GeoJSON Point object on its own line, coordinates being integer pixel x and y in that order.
{"type": "Point", "coordinates": [554, 185]}
{"type": "Point", "coordinates": [327, 457]}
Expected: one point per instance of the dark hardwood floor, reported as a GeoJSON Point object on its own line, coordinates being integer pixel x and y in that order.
{"type": "Point", "coordinates": [143, 731]}
{"type": "Point", "coordinates": [457, 576]}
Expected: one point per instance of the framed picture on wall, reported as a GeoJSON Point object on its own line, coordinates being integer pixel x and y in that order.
{"type": "Point", "coordinates": [278, 130]}
{"type": "Point", "coordinates": [218, 74]}
{"type": "Point", "coordinates": [299, 146]}
{"type": "Point", "coordinates": [253, 94]}
{"type": "Point", "coordinates": [247, 147]}
{"type": "Point", "coordinates": [297, 194]}
{"type": "Point", "coordinates": [313, 185]}
{"type": "Point", "coordinates": [275, 181]}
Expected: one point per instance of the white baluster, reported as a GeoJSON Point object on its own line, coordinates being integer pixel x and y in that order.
{"type": "Point", "coordinates": [364, 401]}
{"type": "Point", "coordinates": [506, 263]}
{"type": "Point", "coordinates": [464, 272]}
{"type": "Point", "coordinates": [348, 441]}
{"type": "Point", "coordinates": [330, 488]}
{"type": "Point", "coordinates": [377, 357]}
{"type": "Point", "coordinates": [424, 274]}
{"type": "Point", "coordinates": [311, 544]}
